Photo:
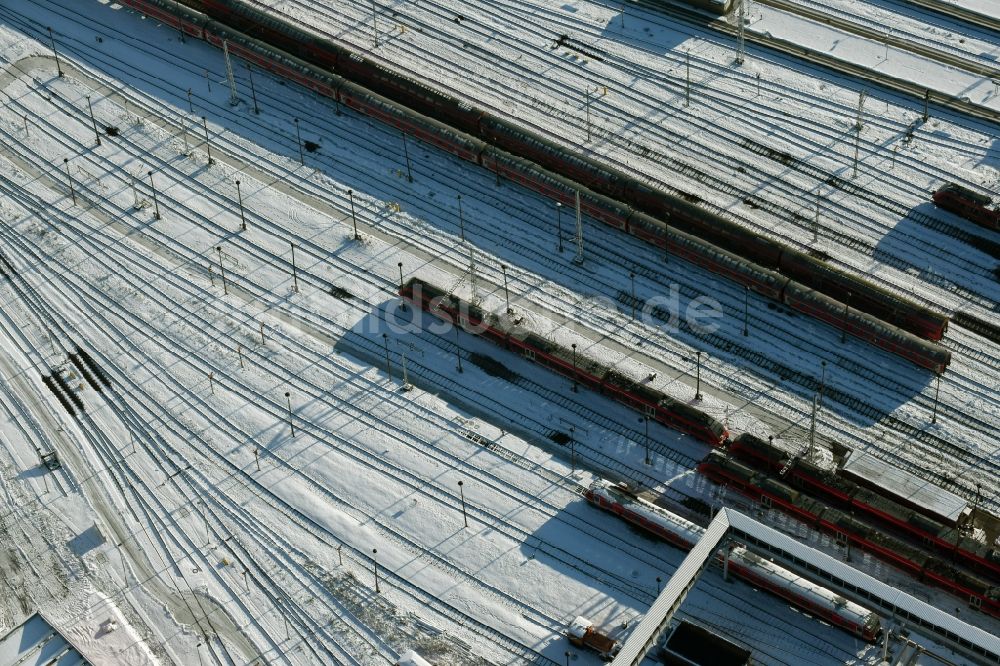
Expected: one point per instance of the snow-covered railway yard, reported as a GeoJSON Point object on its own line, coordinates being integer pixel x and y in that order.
{"type": "Point", "coordinates": [489, 53]}
{"type": "Point", "coordinates": [245, 476]}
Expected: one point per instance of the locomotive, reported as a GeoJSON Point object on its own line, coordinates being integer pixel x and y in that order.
{"type": "Point", "coordinates": [884, 496]}
{"type": "Point", "coordinates": [649, 517]}
{"type": "Point", "coordinates": [799, 280]}
{"type": "Point", "coordinates": [973, 206]}
{"type": "Point", "coordinates": [503, 331]}
{"type": "Point", "coordinates": [938, 570]}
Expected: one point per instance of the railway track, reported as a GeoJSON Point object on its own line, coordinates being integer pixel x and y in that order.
{"type": "Point", "coordinates": [895, 36]}
{"type": "Point", "coordinates": [956, 10]}
{"type": "Point", "coordinates": [798, 52]}
{"type": "Point", "coordinates": [277, 409]}
{"type": "Point", "coordinates": [426, 27]}
{"type": "Point", "coordinates": [931, 275]}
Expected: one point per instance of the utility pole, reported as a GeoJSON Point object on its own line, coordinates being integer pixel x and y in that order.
{"type": "Point", "coordinates": [822, 383]}
{"type": "Point", "coordinates": [354, 218]}
{"type": "Point", "coordinates": [208, 144]}
{"type": "Point", "coordinates": [69, 178]}
{"type": "Point", "coordinates": [506, 293]}
{"type": "Point", "coordinates": [239, 197]}
{"type": "Point", "coordinates": [406, 156]}
{"type": "Point", "coordinates": [298, 138]}
{"type": "Point", "coordinates": [927, 100]}
{"type": "Point", "coordinates": [666, 239]}
{"type": "Point", "coordinates": [225, 288]}
{"type": "Point", "coordinates": [93, 121]}
{"type": "Point", "coordinates": [156, 205]}
{"type": "Point", "coordinates": [740, 27]}
{"type": "Point", "coordinates": [587, 106]}
{"type": "Point", "coordinates": [631, 277]}
{"type": "Point", "coordinates": [233, 97]}
{"type": "Point", "coordinates": [375, 554]}
{"type": "Point", "coordinates": [473, 280]}
{"type": "Point", "coordinates": [812, 423]}
{"type": "Point", "coordinates": [574, 367]}
{"type": "Point", "coordinates": [458, 349]}
{"type": "Point", "coordinates": [645, 420]}
{"type": "Point", "coordinates": [461, 220]}
{"type": "Point", "coordinates": [374, 27]}
{"type": "Point", "coordinates": [55, 53]}
{"type": "Point", "coordinates": [253, 91]}
{"type": "Point", "coordinates": [746, 309]}
{"type": "Point", "coordinates": [559, 207]}
{"type": "Point", "coordinates": [288, 400]}
{"type": "Point", "coordinates": [697, 389]}
{"type": "Point", "coordinates": [184, 136]}
{"type": "Point", "coordinates": [857, 130]}
{"type": "Point", "coordinates": [937, 391]}
{"type": "Point", "coordinates": [406, 377]}
{"type": "Point", "coordinates": [816, 217]}
{"type": "Point", "coordinates": [461, 493]}
{"type": "Point", "coordinates": [578, 259]}
{"type": "Point", "coordinates": [295, 272]}
{"type": "Point", "coordinates": [388, 363]}
{"type": "Point", "coordinates": [687, 87]}
{"type": "Point", "coordinates": [847, 308]}
{"type": "Point", "coordinates": [400, 264]}
{"type": "Point", "coordinates": [135, 193]}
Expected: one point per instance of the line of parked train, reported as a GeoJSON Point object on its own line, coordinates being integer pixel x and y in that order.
{"type": "Point", "coordinates": [675, 223]}
{"type": "Point", "coordinates": [632, 507]}
{"type": "Point", "coordinates": [902, 519]}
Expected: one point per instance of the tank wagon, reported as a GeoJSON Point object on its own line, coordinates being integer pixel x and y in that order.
{"type": "Point", "coordinates": [799, 280]}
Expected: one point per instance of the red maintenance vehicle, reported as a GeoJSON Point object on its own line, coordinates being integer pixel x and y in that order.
{"type": "Point", "coordinates": [973, 206]}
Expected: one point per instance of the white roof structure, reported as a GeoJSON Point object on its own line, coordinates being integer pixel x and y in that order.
{"type": "Point", "coordinates": [728, 524]}
{"type": "Point", "coordinates": [869, 470]}
{"type": "Point", "coordinates": [411, 658]}
{"type": "Point", "coordinates": [35, 642]}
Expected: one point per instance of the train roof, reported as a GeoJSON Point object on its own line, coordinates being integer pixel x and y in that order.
{"type": "Point", "coordinates": [910, 489]}
{"type": "Point", "coordinates": [981, 199]}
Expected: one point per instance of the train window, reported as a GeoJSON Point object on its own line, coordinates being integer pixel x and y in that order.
{"type": "Point", "coordinates": [841, 538]}
{"type": "Point", "coordinates": [975, 602]}
{"type": "Point", "coordinates": [529, 354]}
{"type": "Point", "coordinates": [650, 410]}
{"type": "Point", "coordinates": [765, 501]}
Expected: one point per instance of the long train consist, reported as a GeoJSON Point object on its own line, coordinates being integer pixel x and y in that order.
{"type": "Point", "coordinates": [680, 227]}
{"type": "Point", "coordinates": [892, 500]}
{"type": "Point", "coordinates": [971, 205]}
{"type": "Point", "coordinates": [578, 367]}
{"type": "Point", "coordinates": [892, 525]}
{"type": "Point", "coordinates": [847, 528]}
{"type": "Point", "coordinates": [744, 564]}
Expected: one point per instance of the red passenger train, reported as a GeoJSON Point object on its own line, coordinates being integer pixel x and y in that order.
{"type": "Point", "coordinates": [567, 362]}
{"type": "Point", "coordinates": [883, 495]}
{"type": "Point", "coordinates": [940, 570]}
{"type": "Point", "coordinates": [971, 205]}
{"type": "Point", "coordinates": [802, 282]}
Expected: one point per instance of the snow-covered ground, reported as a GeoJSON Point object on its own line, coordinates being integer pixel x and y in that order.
{"type": "Point", "coordinates": [223, 499]}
